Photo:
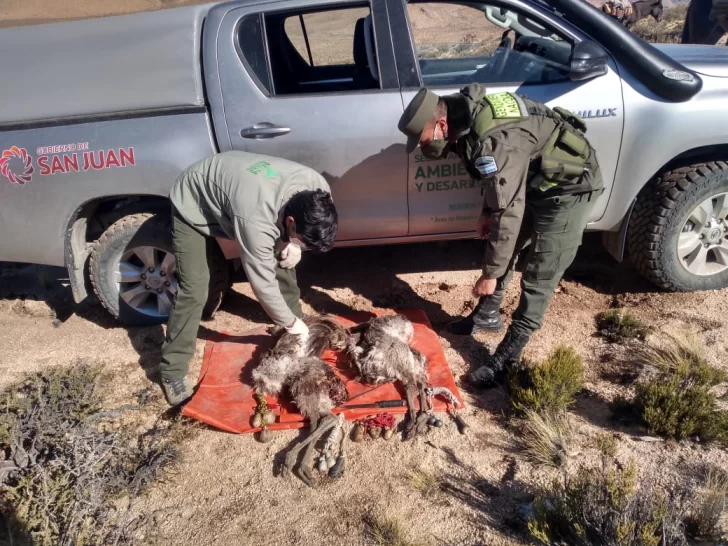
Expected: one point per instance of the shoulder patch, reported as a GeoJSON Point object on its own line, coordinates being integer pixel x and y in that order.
{"type": "Point", "coordinates": [486, 165]}
{"type": "Point", "coordinates": [506, 105]}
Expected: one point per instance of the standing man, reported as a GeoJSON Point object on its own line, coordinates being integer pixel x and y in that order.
{"type": "Point", "coordinates": [273, 208]}
{"type": "Point", "coordinates": [705, 22]}
{"type": "Point", "coordinates": [540, 178]}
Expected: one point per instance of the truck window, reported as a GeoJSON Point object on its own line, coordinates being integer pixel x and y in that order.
{"type": "Point", "coordinates": [322, 51]}
{"type": "Point", "coordinates": [252, 50]}
{"type": "Point", "coordinates": [458, 44]}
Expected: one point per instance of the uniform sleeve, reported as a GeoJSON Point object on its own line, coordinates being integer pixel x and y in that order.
{"type": "Point", "coordinates": [257, 250]}
{"type": "Point", "coordinates": [503, 168]}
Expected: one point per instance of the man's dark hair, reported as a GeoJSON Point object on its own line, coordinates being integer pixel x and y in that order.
{"type": "Point", "coordinates": [316, 218]}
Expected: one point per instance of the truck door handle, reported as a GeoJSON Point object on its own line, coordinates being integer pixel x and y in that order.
{"type": "Point", "coordinates": [264, 130]}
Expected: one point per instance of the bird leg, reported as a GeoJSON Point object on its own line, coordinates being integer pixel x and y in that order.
{"type": "Point", "coordinates": [304, 469]}
{"type": "Point", "coordinates": [411, 424]}
{"type": "Point", "coordinates": [423, 417]}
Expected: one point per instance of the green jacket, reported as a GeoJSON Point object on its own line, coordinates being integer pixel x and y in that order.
{"type": "Point", "coordinates": [240, 195]}
{"type": "Point", "coordinates": [502, 162]}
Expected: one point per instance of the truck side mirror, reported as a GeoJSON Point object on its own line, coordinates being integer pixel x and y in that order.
{"type": "Point", "coordinates": [588, 60]}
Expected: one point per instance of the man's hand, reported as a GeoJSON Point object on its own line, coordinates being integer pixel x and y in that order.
{"type": "Point", "coordinates": [290, 256]}
{"type": "Point", "coordinates": [483, 227]}
{"type": "Point", "coordinates": [299, 328]}
{"type": "Point", "coordinates": [484, 287]}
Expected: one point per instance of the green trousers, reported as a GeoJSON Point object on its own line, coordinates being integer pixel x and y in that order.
{"type": "Point", "coordinates": [193, 278]}
{"type": "Point", "coordinates": [553, 227]}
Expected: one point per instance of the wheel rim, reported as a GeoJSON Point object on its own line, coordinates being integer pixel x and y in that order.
{"type": "Point", "coordinates": [147, 281]}
{"type": "Point", "coordinates": [703, 242]}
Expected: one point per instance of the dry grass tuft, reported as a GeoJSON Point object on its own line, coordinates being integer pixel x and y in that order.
{"type": "Point", "coordinates": [546, 438]}
{"type": "Point", "coordinates": [550, 386]}
{"type": "Point", "coordinates": [386, 531]}
{"type": "Point", "coordinates": [617, 325]}
{"type": "Point", "coordinates": [429, 484]}
{"type": "Point", "coordinates": [669, 30]}
{"type": "Point", "coordinates": [710, 505]}
{"type": "Point", "coordinates": [676, 399]}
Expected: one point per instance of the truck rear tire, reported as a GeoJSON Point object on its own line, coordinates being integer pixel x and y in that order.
{"type": "Point", "coordinates": [132, 270]}
{"type": "Point", "coordinates": [678, 232]}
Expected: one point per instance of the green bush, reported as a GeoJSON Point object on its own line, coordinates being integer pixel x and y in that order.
{"type": "Point", "coordinates": [550, 386]}
{"type": "Point", "coordinates": [676, 400]}
{"type": "Point", "coordinates": [617, 325]}
{"type": "Point", "coordinates": [606, 506]}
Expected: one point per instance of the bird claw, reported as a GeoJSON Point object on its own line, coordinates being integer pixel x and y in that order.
{"type": "Point", "coordinates": [409, 431]}
{"type": "Point", "coordinates": [422, 426]}
{"type": "Point", "coordinates": [306, 477]}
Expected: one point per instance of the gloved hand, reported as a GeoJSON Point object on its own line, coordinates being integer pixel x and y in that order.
{"type": "Point", "coordinates": [299, 328]}
{"type": "Point", "coordinates": [290, 256]}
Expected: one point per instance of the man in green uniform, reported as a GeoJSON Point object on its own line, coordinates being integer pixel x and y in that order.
{"type": "Point", "coordinates": [273, 208]}
{"type": "Point", "coordinates": [540, 179]}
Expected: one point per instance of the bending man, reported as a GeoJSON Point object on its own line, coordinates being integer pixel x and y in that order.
{"type": "Point", "coordinates": [273, 208]}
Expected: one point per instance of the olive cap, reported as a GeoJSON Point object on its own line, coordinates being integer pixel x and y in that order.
{"type": "Point", "coordinates": [416, 115]}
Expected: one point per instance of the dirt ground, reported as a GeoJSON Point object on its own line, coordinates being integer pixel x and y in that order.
{"type": "Point", "coordinates": [226, 491]}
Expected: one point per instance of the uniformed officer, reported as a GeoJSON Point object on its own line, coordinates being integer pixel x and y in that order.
{"type": "Point", "coordinates": [273, 208]}
{"type": "Point", "coordinates": [540, 178]}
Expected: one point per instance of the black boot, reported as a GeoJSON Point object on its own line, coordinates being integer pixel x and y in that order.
{"type": "Point", "coordinates": [485, 317]}
{"type": "Point", "coordinates": [506, 355]}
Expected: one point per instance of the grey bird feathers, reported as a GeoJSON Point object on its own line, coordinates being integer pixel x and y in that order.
{"type": "Point", "coordinates": [379, 349]}
{"type": "Point", "coordinates": [382, 352]}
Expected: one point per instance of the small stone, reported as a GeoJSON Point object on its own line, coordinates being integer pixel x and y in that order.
{"type": "Point", "coordinates": [388, 433]}
{"type": "Point", "coordinates": [322, 466]}
{"type": "Point", "coordinates": [437, 423]}
{"type": "Point", "coordinates": [358, 433]}
{"type": "Point", "coordinates": [257, 420]}
{"type": "Point", "coordinates": [375, 432]}
{"type": "Point", "coordinates": [263, 436]}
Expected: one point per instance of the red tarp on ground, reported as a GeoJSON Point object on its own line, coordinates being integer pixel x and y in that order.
{"type": "Point", "coordinates": [224, 398]}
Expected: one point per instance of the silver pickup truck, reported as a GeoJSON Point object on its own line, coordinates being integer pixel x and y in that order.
{"type": "Point", "coordinates": [98, 117]}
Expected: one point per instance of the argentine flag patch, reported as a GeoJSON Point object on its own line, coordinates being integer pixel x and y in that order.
{"type": "Point", "coordinates": [486, 165]}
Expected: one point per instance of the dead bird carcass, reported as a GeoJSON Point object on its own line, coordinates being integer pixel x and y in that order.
{"type": "Point", "coordinates": [295, 364]}
{"type": "Point", "coordinates": [381, 352]}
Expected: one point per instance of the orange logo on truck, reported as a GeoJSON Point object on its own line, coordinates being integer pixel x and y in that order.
{"type": "Point", "coordinates": [17, 165]}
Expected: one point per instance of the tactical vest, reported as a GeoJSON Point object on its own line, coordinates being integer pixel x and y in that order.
{"type": "Point", "coordinates": [563, 159]}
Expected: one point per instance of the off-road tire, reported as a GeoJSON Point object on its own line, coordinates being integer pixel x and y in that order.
{"type": "Point", "coordinates": [662, 208]}
{"type": "Point", "coordinates": [153, 230]}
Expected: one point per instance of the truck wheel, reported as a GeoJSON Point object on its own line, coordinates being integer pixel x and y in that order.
{"type": "Point", "coordinates": [678, 232]}
{"type": "Point", "coordinates": [133, 271]}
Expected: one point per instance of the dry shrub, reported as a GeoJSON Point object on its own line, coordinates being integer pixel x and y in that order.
{"type": "Point", "coordinates": [606, 506]}
{"type": "Point", "coordinates": [546, 438]}
{"type": "Point", "coordinates": [385, 531]}
{"type": "Point", "coordinates": [427, 483]}
{"type": "Point", "coordinates": [676, 399]}
{"type": "Point", "coordinates": [669, 30]}
{"type": "Point", "coordinates": [550, 386]}
{"type": "Point", "coordinates": [617, 325]}
{"type": "Point", "coordinates": [68, 463]}
{"type": "Point", "coordinates": [708, 510]}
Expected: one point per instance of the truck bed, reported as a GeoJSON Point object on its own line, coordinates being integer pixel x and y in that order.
{"type": "Point", "coordinates": [101, 66]}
